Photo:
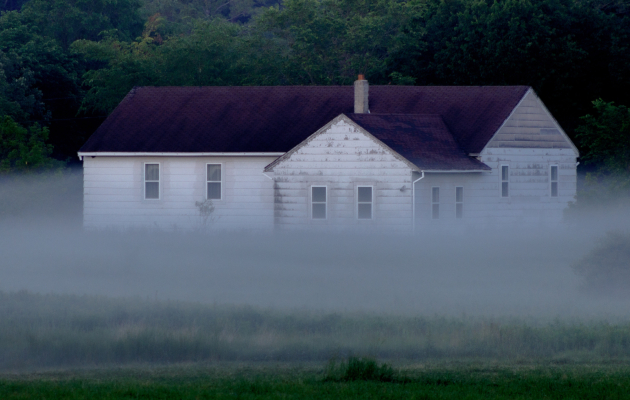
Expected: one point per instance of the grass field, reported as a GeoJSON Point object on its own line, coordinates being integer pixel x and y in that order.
{"type": "Point", "coordinates": [477, 314]}
{"type": "Point", "coordinates": [51, 331]}
{"type": "Point", "coordinates": [282, 381]}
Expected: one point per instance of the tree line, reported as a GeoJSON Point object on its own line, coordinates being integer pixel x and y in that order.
{"type": "Point", "coordinates": [65, 64]}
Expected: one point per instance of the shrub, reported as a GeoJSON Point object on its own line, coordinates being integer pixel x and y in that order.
{"type": "Point", "coordinates": [359, 369]}
{"type": "Point", "coordinates": [606, 269]}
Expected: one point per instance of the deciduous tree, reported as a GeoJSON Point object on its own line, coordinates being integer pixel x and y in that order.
{"type": "Point", "coordinates": [605, 141]}
{"type": "Point", "coordinates": [24, 150]}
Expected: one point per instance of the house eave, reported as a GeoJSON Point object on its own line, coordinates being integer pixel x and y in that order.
{"type": "Point", "coordinates": [454, 171]}
{"type": "Point", "coordinates": [82, 154]}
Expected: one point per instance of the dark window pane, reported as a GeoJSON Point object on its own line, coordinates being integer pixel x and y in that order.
{"type": "Point", "coordinates": [504, 173]}
{"type": "Point", "coordinates": [319, 211]}
{"type": "Point", "coordinates": [319, 194]}
{"type": "Point", "coordinates": [459, 194]}
{"type": "Point", "coordinates": [214, 172]}
{"type": "Point", "coordinates": [152, 190]}
{"type": "Point", "coordinates": [151, 172]}
{"type": "Point", "coordinates": [365, 211]}
{"type": "Point", "coordinates": [554, 173]}
{"type": "Point", "coordinates": [459, 210]}
{"type": "Point", "coordinates": [554, 189]}
{"type": "Point", "coordinates": [214, 190]}
{"type": "Point", "coordinates": [436, 211]}
{"type": "Point", "coordinates": [435, 195]}
{"type": "Point", "coordinates": [504, 189]}
{"type": "Point", "coordinates": [365, 194]}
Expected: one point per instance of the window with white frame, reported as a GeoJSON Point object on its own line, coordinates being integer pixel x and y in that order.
{"type": "Point", "coordinates": [318, 202]}
{"type": "Point", "coordinates": [505, 181]}
{"type": "Point", "coordinates": [459, 202]}
{"type": "Point", "coordinates": [364, 202]}
{"type": "Point", "coordinates": [213, 181]}
{"type": "Point", "coordinates": [554, 180]}
{"type": "Point", "coordinates": [435, 202]}
{"type": "Point", "coordinates": [152, 181]}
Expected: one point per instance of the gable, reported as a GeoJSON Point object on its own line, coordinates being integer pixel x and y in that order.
{"type": "Point", "coordinates": [531, 125]}
{"type": "Point", "coordinates": [335, 145]}
{"type": "Point", "coordinates": [278, 118]}
{"type": "Point", "coordinates": [421, 141]}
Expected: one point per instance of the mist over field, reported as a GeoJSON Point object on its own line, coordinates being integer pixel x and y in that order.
{"type": "Point", "coordinates": [144, 299]}
{"type": "Point", "coordinates": [506, 272]}
{"type": "Point", "coordinates": [75, 298]}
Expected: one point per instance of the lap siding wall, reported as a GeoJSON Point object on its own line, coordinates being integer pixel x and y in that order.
{"type": "Point", "coordinates": [114, 193]}
{"type": "Point", "coordinates": [343, 158]}
{"type": "Point", "coordinates": [529, 201]}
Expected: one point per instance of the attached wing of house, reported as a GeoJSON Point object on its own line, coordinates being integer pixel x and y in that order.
{"type": "Point", "coordinates": [388, 157]}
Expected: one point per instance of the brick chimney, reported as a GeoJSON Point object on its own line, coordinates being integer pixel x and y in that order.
{"type": "Point", "coordinates": [361, 87]}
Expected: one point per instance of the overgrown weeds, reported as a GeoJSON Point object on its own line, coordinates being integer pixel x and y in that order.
{"type": "Point", "coordinates": [359, 369]}
{"type": "Point", "coordinates": [38, 331]}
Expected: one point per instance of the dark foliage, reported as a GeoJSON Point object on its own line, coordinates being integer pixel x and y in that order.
{"type": "Point", "coordinates": [605, 140]}
{"type": "Point", "coordinates": [65, 64]}
{"type": "Point", "coordinates": [361, 369]}
{"type": "Point", "coordinates": [10, 5]}
{"type": "Point", "coordinates": [606, 269]}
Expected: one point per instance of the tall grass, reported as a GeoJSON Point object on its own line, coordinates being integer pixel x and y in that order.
{"type": "Point", "coordinates": [60, 330]}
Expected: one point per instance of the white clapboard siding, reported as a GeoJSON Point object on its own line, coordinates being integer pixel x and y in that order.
{"type": "Point", "coordinates": [530, 126]}
{"type": "Point", "coordinates": [341, 158]}
{"type": "Point", "coordinates": [114, 193]}
{"type": "Point", "coordinates": [529, 142]}
{"type": "Point", "coordinates": [529, 200]}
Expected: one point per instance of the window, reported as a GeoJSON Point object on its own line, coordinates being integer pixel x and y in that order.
{"type": "Point", "coordinates": [554, 180]}
{"type": "Point", "coordinates": [459, 202]}
{"type": "Point", "coordinates": [505, 181]}
{"type": "Point", "coordinates": [152, 181]}
{"type": "Point", "coordinates": [364, 202]}
{"type": "Point", "coordinates": [318, 202]}
{"type": "Point", "coordinates": [435, 202]}
{"type": "Point", "coordinates": [213, 178]}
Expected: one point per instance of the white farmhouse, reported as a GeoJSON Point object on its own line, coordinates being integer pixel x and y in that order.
{"type": "Point", "coordinates": [386, 158]}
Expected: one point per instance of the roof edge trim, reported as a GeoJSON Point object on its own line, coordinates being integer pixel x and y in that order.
{"type": "Point", "coordinates": [453, 171]}
{"type": "Point", "coordinates": [168, 154]}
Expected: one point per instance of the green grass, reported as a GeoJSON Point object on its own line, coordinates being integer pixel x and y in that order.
{"type": "Point", "coordinates": [84, 347]}
{"type": "Point", "coordinates": [282, 382]}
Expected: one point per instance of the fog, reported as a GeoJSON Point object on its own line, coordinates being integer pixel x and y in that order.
{"type": "Point", "coordinates": [503, 272]}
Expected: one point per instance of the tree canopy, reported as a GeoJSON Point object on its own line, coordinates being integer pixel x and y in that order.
{"type": "Point", "coordinates": [605, 140]}
{"type": "Point", "coordinates": [24, 150]}
{"type": "Point", "coordinates": [65, 64]}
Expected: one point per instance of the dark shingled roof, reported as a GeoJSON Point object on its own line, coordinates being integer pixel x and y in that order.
{"type": "Point", "coordinates": [277, 118]}
{"type": "Point", "coordinates": [424, 140]}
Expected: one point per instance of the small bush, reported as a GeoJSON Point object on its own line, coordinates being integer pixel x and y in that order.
{"type": "Point", "coordinates": [359, 369]}
{"type": "Point", "coordinates": [606, 269]}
